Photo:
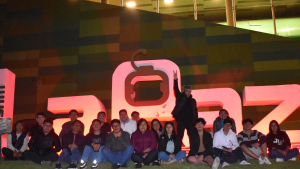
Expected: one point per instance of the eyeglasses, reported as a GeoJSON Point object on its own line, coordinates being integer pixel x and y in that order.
{"type": "Point", "coordinates": [223, 113]}
{"type": "Point", "coordinates": [115, 126]}
{"type": "Point", "coordinates": [102, 117]}
{"type": "Point", "coordinates": [40, 118]}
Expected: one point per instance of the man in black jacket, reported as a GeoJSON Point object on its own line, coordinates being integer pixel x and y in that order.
{"type": "Point", "coordinates": [43, 146]}
{"type": "Point", "coordinates": [185, 110]}
{"type": "Point", "coordinates": [72, 146]}
{"type": "Point", "coordinates": [40, 117]}
{"type": "Point", "coordinates": [201, 146]}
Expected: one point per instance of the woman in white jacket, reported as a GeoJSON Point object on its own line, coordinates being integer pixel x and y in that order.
{"type": "Point", "coordinates": [17, 143]}
{"type": "Point", "coordinates": [226, 146]}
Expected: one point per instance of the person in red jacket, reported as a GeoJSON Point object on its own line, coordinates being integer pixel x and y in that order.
{"type": "Point", "coordinates": [144, 142]}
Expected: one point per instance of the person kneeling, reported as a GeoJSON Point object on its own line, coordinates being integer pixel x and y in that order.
{"type": "Point", "coordinates": [72, 146]}
{"type": "Point", "coordinates": [226, 147]}
{"type": "Point", "coordinates": [248, 141]}
{"type": "Point", "coordinates": [17, 143]}
{"type": "Point", "coordinates": [168, 147]}
{"type": "Point", "coordinates": [43, 146]}
{"type": "Point", "coordinates": [201, 146]}
{"type": "Point", "coordinates": [94, 142]}
{"type": "Point", "coordinates": [144, 143]}
{"type": "Point", "coordinates": [117, 148]}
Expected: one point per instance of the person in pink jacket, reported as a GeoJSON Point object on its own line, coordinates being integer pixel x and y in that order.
{"type": "Point", "coordinates": [144, 142]}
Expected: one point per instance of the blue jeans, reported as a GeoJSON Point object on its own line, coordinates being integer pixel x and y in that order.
{"type": "Point", "coordinates": [90, 154]}
{"type": "Point", "coordinates": [119, 157]}
{"type": "Point", "coordinates": [179, 156]}
{"type": "Point", "coordinates": [291, 153]}
{"type": "Point", "coordinates": [65, 156]}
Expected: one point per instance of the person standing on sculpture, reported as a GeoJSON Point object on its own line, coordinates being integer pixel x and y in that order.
{"type": "Point", "coordinates": [185, 110]}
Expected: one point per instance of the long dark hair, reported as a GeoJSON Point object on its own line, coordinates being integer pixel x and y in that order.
{"type": "Point", "coordinates": [278, 128]}
{"type": "Point", "coordinates": [140, 122]}
{"type": "Point", "coordinates": [160, 126]}
{"type": "Point", "coordinates": [172, 124]}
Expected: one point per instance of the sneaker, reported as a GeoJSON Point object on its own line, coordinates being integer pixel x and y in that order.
{"type": "Point", "coordinates": [224, 164]}
{"type": "Point", "coordinates": [30, 162]}
{"type": "Point", "coordinates": [115, 166]}
{"type": "Point", "coordinates": [216, 163]}
{"type": "Point", "coordinates": [124, 165]}
{"type": "Point", "coordinates": [292, 159]}
{"type": "Point", "coordinates": [72, 166]}
{"type": "Point", "coordinates": [267, 161]}
{"type": "Point", "coordinates": [156, 162]}
{"type": "Point", "coordinates": [83, 164]}
{"type": "Point", "coordinates": [58, 166]}
{"type": "Point", "coordinates": [137, 165]}
{"type": "Point", "coordinates": [279, 160]}
{"type": "Point", "coordinates": [261, 161]}
{"type": "Point", "coordinates": [46, 163]}
{"type": "Point", "coordinates": [94, 165]}
{"type": "Point", "coordinates": [244, 162]}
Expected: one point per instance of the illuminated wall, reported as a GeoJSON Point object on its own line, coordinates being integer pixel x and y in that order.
{"type": "Point", "coordinates": [73, 48]}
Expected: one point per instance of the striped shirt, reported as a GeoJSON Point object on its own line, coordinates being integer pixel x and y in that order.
{"type": "Point", "coordinates": [255, 137]}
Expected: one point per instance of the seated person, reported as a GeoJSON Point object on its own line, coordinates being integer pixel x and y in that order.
{"type": "Point", "coordinates": [218, 123]}
{"type": "Point", "coordinates": [226, 147]}
{"type": "Point", "coordinates": [168, 147]}
{"type": "Point", "coordinates": [67, 126]}
{"type": "Point", "coordinates": [144, 143]}
{"type": "Point", "coordinates": [157, 128]}
{"type": "Point", "coordinates": [17, 143]}
{"type": "Point", "coordinates": [43, 146]}
{"type": "Point", "coordinates": [126, 123]}
{"type": "Point", "coordinates": [135, 116]}
{"type": "Point", "coordinates": [201, 146]}
{"type": "Point", "coordinates": [251, 146]}
{"type": "Point", "coordinates": [40, 117]}
{"type": "Point", "coordinates": [104, 127]}
{"type": "Point", "coordinates": [117, 148]}
{"type": "Point", "coordinates": [94, 143]}
{"type": "Point", "coordinates": [279, 144]}
{"type": "Point", "coordinates": [72, 146]}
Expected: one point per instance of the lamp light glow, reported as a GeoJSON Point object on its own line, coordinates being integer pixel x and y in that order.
{"type": "Point", "coordinates": [168, 1]}
{"type": "Point", "coordinates": [130, 4]}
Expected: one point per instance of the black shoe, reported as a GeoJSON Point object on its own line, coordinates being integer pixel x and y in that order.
{"type": "Point", "coordinates": [115, 166]}
{"type": "Point", "coordinates": [58, 166]}
{"type": "Point", "coordinates": [83, 164]}
{"type": "Point", "coordinates": [138, 165]}
{"type": "Point", "coordinates": [156, 162]}
{"type": "Point", "coordinates": [95, 165]}
{"type": "Point", "coordinates": [72, 166]}
{"type": "Point", "coordinates": [124, 165]}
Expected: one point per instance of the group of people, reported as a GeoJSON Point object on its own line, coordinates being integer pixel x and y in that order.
{"type": "Point", "coordinates": [132, 139]}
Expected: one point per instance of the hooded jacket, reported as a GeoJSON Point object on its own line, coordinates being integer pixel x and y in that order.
{"type": "Point", "coordinates": [71, 138]}
{"type": "Point", "coordinates": [181, 99]}
{"type": "Point", "coordinates": [163, 141]}
{"type": "Point", "coordinates": [44, 144]}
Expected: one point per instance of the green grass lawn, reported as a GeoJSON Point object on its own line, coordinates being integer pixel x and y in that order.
{"type": "Point", "coordinates": [254, 164]}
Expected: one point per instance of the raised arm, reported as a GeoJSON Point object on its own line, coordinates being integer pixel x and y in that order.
{"type": "Point", "coordinates": [175, 87]}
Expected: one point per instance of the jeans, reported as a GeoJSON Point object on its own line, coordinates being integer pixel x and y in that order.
{"type": "Point", "coordinates": [235, 155]}
{"type": "Point", "coordinates": [291, 153]}
{"type": "Point", "coordinates": [119, 157]}
{"type": "Point", "coordinates": [90, 154]}
{"type": "Point", "coordinates": [65, 155]}
{"type": "Point", "coordinates": [151, 157]}
{"type": "Point", "coordinates": [179, 156]}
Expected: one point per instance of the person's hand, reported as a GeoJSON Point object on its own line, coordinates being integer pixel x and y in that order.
{"type": "Point", "coordinates": [71, 146]}
{"type": "Point", "coordinates": [19, 154]}
{"type": "Point", "coordinates": [171, 156]}
{"type": "Point", "coordinates": [281, 151]}
{"type": "Point", "coordinates": [145, 155]}
{"type": "Point", "coordinates": [175, 75]}
{"type": "Point", "coordinates": [147, 150]}
{"type": "Point", "coordinates": [229, 150]}
{"type": "Point", "coordinates": [15, 153]}
{"type": "Point", "coordinates": [96, 147]}
{"type": "Point", "coordinates": [201, 157]}
{"type": "Point", "coordinates": [256, 145]}
{"type": "Point", "coordinates": [225, 149]}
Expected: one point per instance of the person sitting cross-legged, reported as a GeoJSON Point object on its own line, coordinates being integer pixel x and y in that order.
{"type": "Point", "coordinates": [279, 144]}
{"type": "Point", "coordinates": [43, 146]}
{"type": "Point", "coordinates": [168, 147]}
{"type": "Point", "coordinates": [253, 143]}
{"type": "Point", "coordinates": [117, 148]}
{"type": "Point", "coordinates": [94, 143]}
{"type": "Point", "coordinates": [72, 146]}
{"type": "Point", "coordinates": [226, 146]}
{"type": "Point", "coordinates": [201, 146]}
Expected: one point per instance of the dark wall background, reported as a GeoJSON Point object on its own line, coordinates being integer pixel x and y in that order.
{"type": "Point", "coordinates": [73, 48]}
